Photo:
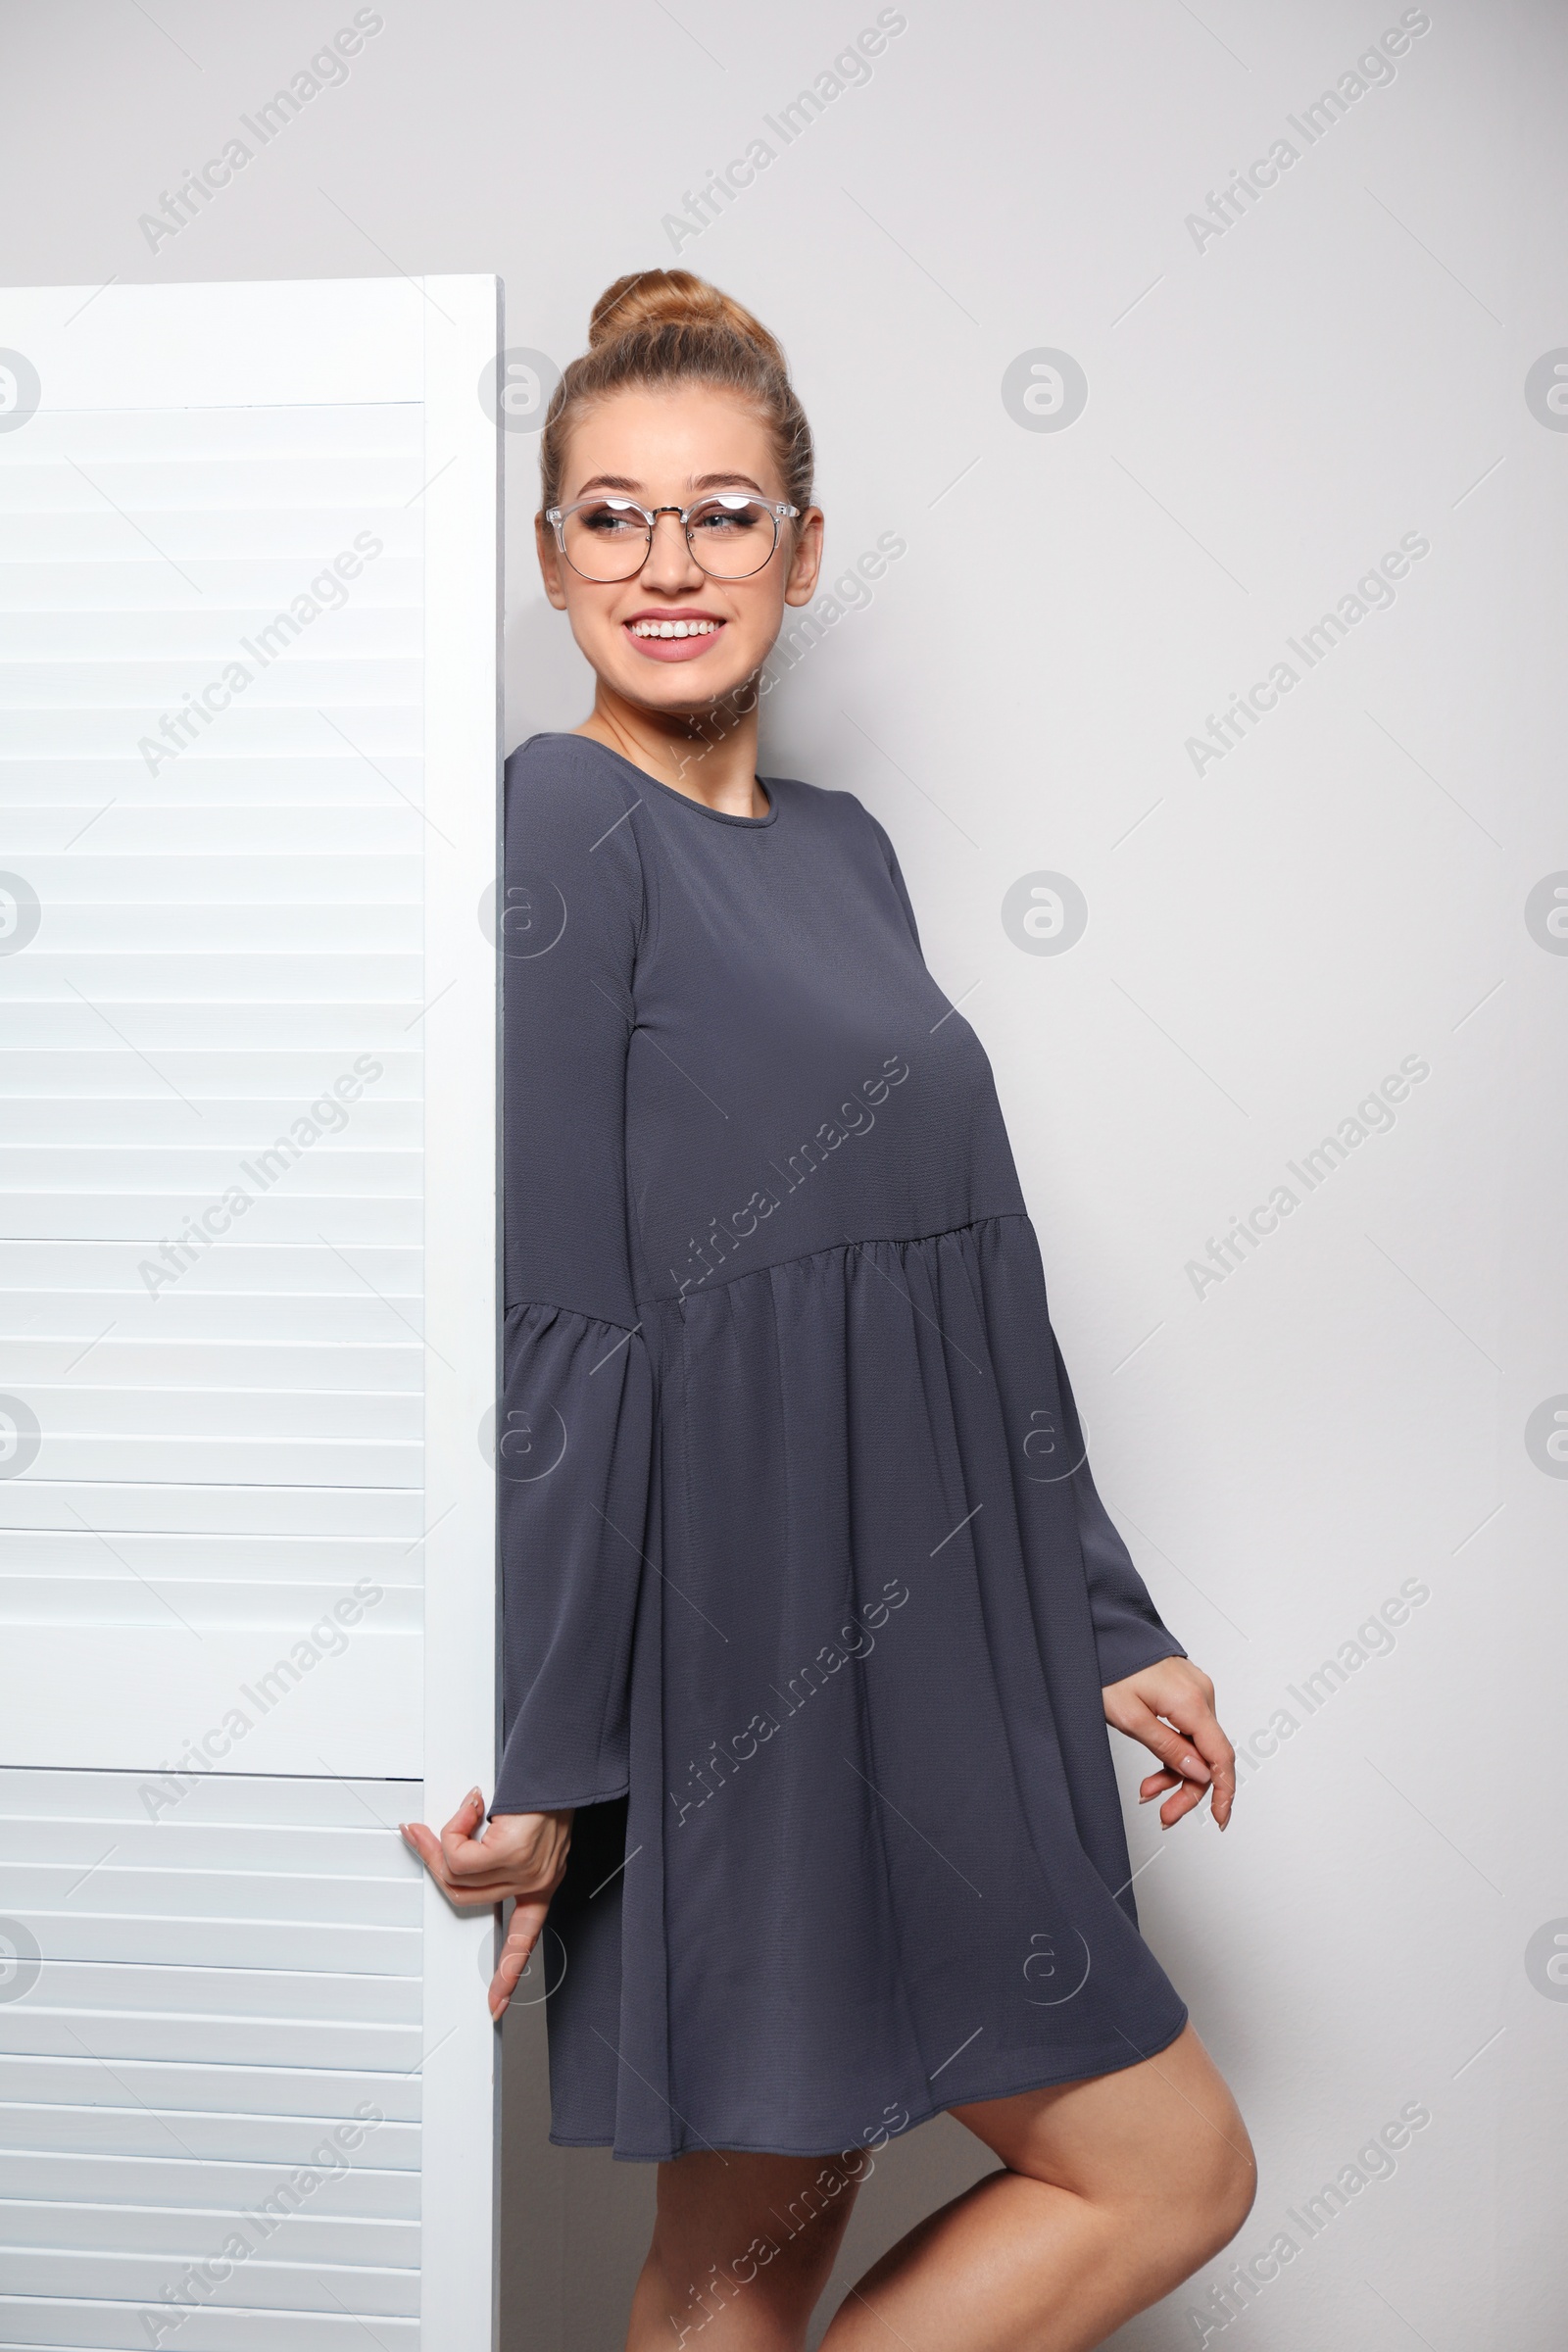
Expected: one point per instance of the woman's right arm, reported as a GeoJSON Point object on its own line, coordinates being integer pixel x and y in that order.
{"type": "Point", "coordinates": [575, 1432]}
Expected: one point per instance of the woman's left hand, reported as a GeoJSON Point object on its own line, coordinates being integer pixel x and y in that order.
{"type": "Point", "coordinates": [1169, 1707]}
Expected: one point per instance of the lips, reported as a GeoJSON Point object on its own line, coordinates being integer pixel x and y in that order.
{"type": "Point", "coordinates": [677, 635]}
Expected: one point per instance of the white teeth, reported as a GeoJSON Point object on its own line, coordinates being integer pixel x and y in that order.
{"type": "Point", "coordinates": [674, 628]}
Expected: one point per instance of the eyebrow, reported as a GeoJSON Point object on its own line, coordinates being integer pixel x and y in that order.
{"type": "Point", "coordinates": [700, 481]}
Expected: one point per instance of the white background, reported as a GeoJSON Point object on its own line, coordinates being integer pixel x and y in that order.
{"type": "Point", "coordinates": [1265, 941]}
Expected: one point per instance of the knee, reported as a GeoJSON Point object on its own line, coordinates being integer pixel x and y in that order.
{"type": "Point", "coordinates": [1219, 2188]}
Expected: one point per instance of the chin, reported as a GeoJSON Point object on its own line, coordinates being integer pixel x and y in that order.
{"type": "Point", "coordinates": [679, 688]}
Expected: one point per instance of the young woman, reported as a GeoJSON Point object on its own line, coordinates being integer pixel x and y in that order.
{"type": "Point", "coordinates": [814, 1617]}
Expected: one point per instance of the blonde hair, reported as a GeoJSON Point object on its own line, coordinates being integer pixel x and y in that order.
{"type": "Point", "coordinates": [667, 326]}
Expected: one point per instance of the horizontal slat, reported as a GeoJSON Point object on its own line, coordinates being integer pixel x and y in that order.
{"type": "Point", "coordinates": [310, 2235]}
{"type": "Point", "coordinates": [296, 1212]}
{"type": "Point", "coordinates": [247, 730]}
{"type": "Point", "coordinates": [153, 884]}
{"type": "Point", "coordinates": [351, 2183]}
{"type": "Point", "coordinates": [269, 1277]}
{"type": "Point", "coordinates": [344, 1027]}
{"type": "Point", "coordinates": [365, 626]}
{"type": "Point", "coordinates": [83, 1408]}
{"type": "Point", "coordinates": [114, 1884]}
{"type": "Point", "coordinates": [382, 1123]}
{"type": "Point", "coordinates": [223, 1461]}
{"type": "Point", "coordinates": [286, 1611]}
{"type": "Point", "coordinates": [297, 1075]}
{"type": "Point", "coordinates": [243, 2110]}
{"type": "Point", "coordinates": [156, 1835]}
{"type": "Point", "coordinates": [112, 1510]}
{"type": "Point", "coordinates": [307, 538]}
{"type": "Point", "coordinates": [72, 1986]}
{"type": "Point", "coordinates": [136, 580]}
{"type": "Point", "coordinates": [177, 1363]}
{"type": "Point", "coordinates": [195, 976]}
{"type": "Point", "coordinates": [67, 2324]}
{"type": "Point", "coordinates": [259, 2284]}
{"type": "Point", "coordinates": [249, 1563]}
{"type": "Point", "coordinates": [389, 820]}
{"type": "Point", "coordinates": [305, 1805]}
{"type": "Point", "coordinates": [72, 2325]}
{"type": "Point", "coordinates": [150, 2156]}
{"type": "Point", "coordinates": [143, 691]}
{"type": "Point", "coordinates": [41, 480]}
{"type": "Point", "coordinates": [29, 2029]}
{"type": "Point", "coordinates": [190, 1940]}
{"type": "Point", "coordinates": [217, 433]}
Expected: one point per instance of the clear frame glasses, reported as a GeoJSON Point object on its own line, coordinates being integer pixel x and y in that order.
{"type": "Point", "coordinates": [731, 533]}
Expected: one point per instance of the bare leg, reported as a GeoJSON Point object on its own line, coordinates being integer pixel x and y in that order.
{"type": "Point", "coordinates": [1115, 2190]}
{"type": "Point", "coordinates": [743, 2246]}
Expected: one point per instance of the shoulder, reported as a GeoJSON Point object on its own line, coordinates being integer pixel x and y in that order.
{"type": "Point", "coordinates": [565, 780]}
{"type": "Point", "coordinates": [834, 811]}
{"type": "Point", "coordinates": [564, 800]}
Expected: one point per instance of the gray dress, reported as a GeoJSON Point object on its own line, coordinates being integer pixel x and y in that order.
{"type": "Point", "coordinates": [808, 1593]}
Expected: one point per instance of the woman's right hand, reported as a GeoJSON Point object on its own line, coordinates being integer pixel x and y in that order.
{"type": "Point", "coordinates": [522, 1856]}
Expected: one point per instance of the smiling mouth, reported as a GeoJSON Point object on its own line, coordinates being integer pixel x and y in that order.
{"type": "Point", "coordinates": [672, 636]}
{"type": "Point", "coordinates": [649, 627]}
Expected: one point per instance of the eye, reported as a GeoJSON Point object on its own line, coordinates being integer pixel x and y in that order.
{"type": "Point", "coordinates": [730, 515]}
{"type": "Point", "coordinates": [609, 521]}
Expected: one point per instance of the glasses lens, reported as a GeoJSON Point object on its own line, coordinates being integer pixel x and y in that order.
{"type": "Point", "coordinates": [732, 535]}
{"type": "Point", "coordinates": [606, 540]}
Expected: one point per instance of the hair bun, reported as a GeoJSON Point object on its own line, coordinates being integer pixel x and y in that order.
{"type": "Point", "coordinates": [654, 298]}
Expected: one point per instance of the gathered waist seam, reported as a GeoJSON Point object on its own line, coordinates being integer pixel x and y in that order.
{"type": "Point", "coordinates": [805, 1258]}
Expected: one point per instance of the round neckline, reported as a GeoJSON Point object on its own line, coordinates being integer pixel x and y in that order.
{"type": "Point", "coordinates": [720, 816]}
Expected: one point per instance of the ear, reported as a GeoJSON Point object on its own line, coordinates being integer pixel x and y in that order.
{"type": "Point", "coordinates": [806, 558]}
{"type": "Point", "coordinates": [549, 563]}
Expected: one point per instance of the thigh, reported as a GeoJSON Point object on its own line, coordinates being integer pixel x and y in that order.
{"type": "Point", "coordinates": [768, 2224]}
{"type": "Point", "coordinates": [1164, 2120]}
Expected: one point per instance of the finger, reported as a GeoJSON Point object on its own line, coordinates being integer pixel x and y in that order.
{"type": "Point", "coordinates": [461, 1839]}
{"type": "Point", "coordinates": [1172, 1745]}
{"type": "Point", "coordinates": [472, 1893]}
{"type": "Point", "coordinates": [1220, 1756]}
{"type": "Point", "coordinates": [526, 1921]}
{"type": "Point", "coordinates": [1177, 1807]}
{"type": "Point", "coordinates": [1156, 1784]}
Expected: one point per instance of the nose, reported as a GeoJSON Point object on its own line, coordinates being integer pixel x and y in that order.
{"type": "Point", "coordinates": [669, 563]}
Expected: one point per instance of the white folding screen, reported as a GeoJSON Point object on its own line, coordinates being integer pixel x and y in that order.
{"type": "Point", "coordinates": [249, 564]}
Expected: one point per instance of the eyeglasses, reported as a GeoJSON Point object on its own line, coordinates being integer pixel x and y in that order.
{"type": "Point", "coordinates": [730, 535]}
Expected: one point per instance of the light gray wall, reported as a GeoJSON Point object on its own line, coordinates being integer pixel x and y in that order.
{"type": "Point", "coordinates": [1269, 932]}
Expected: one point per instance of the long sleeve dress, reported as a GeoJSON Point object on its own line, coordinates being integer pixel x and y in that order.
{"type": "Point", "coordinates": [807, 1593]}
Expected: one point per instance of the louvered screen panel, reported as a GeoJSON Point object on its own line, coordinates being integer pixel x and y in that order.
{"type": "Point", "coordinates": [248, 713]}
{"type": "Point", "coordinates": [219, 2049]}
{"type": "Point", "coordinates": [215, 1031]}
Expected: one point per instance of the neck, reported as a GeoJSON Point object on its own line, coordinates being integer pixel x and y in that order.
{"type": "Point", "coordinates": [709, 756]}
